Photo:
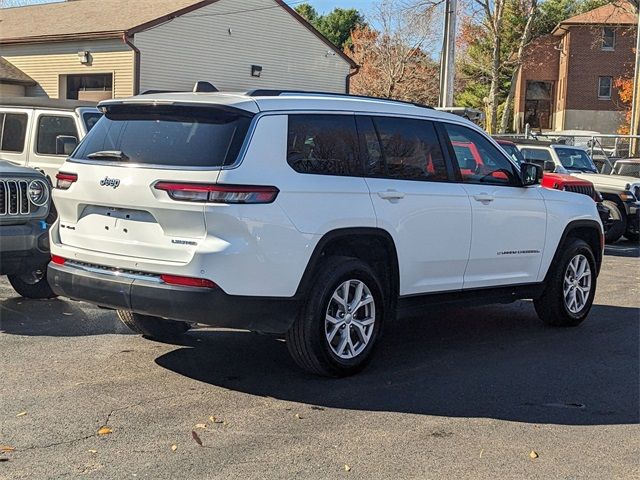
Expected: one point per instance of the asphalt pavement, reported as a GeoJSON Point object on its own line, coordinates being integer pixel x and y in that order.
{"type": "Point", "coordinates": [475, 392]}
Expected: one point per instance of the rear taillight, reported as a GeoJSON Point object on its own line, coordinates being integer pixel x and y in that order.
{"type": "Point", "coordinates": [187, 281]}
{"type": "Point", "coordinates": [58, 260]}
{"type": "Point", "coordinates": [65, 180]}
{"type": "Point", "coordinates": [202, 192]}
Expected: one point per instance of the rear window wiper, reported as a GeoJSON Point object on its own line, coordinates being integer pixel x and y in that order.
{"type": "Point", "coordinates": [109, 154]}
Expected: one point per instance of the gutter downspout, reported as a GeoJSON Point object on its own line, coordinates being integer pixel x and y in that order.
{"type": "Point", "coordinates": [354, 72]}
{"type": "Point", "coordinates": [136, 62]}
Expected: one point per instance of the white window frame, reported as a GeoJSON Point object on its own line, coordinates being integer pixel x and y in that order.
{"type": "Point", "coordinates": [601, 97]}
{"type": "Point", "coordinates": [606, 47]}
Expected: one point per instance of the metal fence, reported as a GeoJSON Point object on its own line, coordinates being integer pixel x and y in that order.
{"type": "Point", "coordinates": [604, 149]}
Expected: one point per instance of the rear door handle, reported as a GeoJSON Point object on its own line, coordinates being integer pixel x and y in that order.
{"type": "Point", "coordinates": [483, 198]}
{"type": "Point", "coordinates": [391, 195]}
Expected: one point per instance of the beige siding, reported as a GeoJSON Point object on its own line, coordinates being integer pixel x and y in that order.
{"type": "Point", "coordinates": [45, 63]}
{"type": "Point", "coordinates": [217, 45]}
{"type": "Point", "coordinates": [8, 90]}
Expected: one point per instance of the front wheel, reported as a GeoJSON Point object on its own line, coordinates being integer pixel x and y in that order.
{"type": "Point", "coordinates": [152, 327]}
{"type": "Point", "coordinates": [341, 321]}
{"type": "Point", "coordinates": [32, 284]}
{"type": "Point", "coordinates": [618, 222]}
{"type": "Point", "coordinates": [568, 296]}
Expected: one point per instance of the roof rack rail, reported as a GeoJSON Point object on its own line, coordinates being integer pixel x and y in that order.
{"type": "Point", "coordinates": [277, 93]}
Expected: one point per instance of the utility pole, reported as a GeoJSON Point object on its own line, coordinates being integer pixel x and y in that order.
{"type": "Point", "coordinates": [448, 57]}
{"type": "Point", "coordinates": [635, 103]}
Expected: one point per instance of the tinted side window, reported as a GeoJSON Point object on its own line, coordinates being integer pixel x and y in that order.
{"type": "Point", "coordinates": [49, 128]}
{"type": "Point", "coordinates": [409, 150]}
{"type": "Point", "coordinates": [14, 132]}
{"type": "Point", "coordinates": [478, 159]}
{"type": "Point", "coordinates": [323, 144]}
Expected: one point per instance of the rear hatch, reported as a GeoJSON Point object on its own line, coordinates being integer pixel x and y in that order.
{"type": "Point", "coordinates": [111, 204]}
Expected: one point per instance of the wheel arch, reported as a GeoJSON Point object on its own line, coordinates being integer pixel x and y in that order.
{"type": "Point", "coordinates": [373, 245]}
{"type": "Point", "coordinates": [588, 230]}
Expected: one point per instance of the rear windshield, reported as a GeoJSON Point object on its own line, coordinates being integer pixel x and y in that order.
{"type": "Point", "coordinates": [166, 136]}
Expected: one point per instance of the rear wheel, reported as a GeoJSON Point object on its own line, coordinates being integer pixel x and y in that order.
{"type": "Point", "coordinates": [618, 222]}
{"type": "Point", "coordinates": [341, 321]}
{"type": "Point", "coordinates": [33, 284]}
{"type": "Point", "coordinates": [153, 327]}
{"type": "Point", "coordinates": [569, 293]}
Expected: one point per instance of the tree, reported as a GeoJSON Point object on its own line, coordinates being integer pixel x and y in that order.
{"type": "Point", "coordinates": [336, 25]}
{"type": "Point", "coordinates": [393, 61]}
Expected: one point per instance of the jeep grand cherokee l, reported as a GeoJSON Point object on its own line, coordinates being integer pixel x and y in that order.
{"type": "Point", "coordinates": [318, 217]}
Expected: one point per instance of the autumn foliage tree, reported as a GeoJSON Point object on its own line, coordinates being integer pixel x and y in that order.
{"type": "Point", "coordinates": [625, 92]}
{"type": "Point", "coordinates": [393, 61]}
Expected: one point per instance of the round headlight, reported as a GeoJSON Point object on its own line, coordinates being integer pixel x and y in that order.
{"type": "Point", "coordinates": [38, 193]}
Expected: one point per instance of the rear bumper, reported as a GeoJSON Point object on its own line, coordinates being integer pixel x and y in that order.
{"type": "Point", "coordinates": [192, 304]}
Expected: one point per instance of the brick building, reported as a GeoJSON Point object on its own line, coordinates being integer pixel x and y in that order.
{"type": "Point", "coordinates": [567, 80]}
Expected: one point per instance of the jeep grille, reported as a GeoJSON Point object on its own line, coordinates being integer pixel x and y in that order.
{"type": "Point", "coordinates": [584, 189]}
{"type": "Point", "coordinates": [14, 199]}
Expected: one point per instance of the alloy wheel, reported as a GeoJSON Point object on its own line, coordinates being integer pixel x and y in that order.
{"type": "Point", "coordinates": [577, 284]}
{"type": "Point", "coordinates": [350, 319]}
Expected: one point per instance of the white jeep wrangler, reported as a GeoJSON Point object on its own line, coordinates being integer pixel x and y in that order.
{"type": "Point", "coordinates": [319, 217]}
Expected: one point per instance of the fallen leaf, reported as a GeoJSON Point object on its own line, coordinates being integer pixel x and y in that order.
{"type": "Point", "coordinates": [481, 452]}
{"type": "Point", "coordinates": [347, 468]}
{"type": "Point", "coordinates": [533, 454]}
{"type": "Point", "coordinates": [7, 448]}
{"type": "Point", "coordinates": [92, 451]}
{"type": "Point", "coordinates": [174, 448]}
{"type": "Point", "coordinates": [104, 431]}
{"type": "Point", "coordinates": [298, 416]}
{"type": "Point", "coordinates": [21, 414]}
{"type": "Point", "coordinates": [196, 438]}
{"type": "Point", "coordinates": [215, 420]}
{"type": "Point", "coordinates": [201, 425]}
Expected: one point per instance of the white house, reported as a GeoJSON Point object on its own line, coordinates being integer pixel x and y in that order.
{"type": "Point", "coordinates": [96, 49]}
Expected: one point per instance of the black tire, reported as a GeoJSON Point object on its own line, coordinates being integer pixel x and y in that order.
{"type": "Point", "coordinates": [633, 236]}
{"type": "Point", "coordinates": [618, 222]}
{"type": "Point", "coordinates": [155, 328]}
{"type": "Point", "coordinates": [307, 338]}
{"type": "Point", "coordinates": [33, 284]}
{"type": "Point", "coordinates": [551, 307]}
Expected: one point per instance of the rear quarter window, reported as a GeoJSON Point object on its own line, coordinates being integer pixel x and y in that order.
{"type": "Point", "coordinates": [179, 136]}
{"type": "Point", "coordinates": [323, 144]}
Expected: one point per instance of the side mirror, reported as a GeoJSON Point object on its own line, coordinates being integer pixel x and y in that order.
{"type": "Point", "coordinates": [66, 144]}
{"type": "Point", "coordinates": [530, 174]}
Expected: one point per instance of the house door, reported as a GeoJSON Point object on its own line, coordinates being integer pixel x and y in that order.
{"type": "Point", "coordinates": [537, 106]}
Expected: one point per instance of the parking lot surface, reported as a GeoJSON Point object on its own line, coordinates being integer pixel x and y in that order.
{"type": "Point", "coordinates": [456, 393]}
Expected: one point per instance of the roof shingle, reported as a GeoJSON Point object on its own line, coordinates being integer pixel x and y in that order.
{"type": "Point", "coordinates": [11, 74]}
{"type": "Point", "coordinates": [619, 13]}
{"type": "Point", "coordinates": [84, 17]}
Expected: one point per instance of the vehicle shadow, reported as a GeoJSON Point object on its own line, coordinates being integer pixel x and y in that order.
{"type": "Point", "coordinates": [494, 362]}
{"type": "Point", "coordinates": [623, 248]}
{"type": "Point", "coordinates": [56, 318]}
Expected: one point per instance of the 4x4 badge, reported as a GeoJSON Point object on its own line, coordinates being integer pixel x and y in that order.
{"type": "Point", "coordinates": [110, 182]}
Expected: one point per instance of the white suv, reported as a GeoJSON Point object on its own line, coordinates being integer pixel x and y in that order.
{"type": "Point", "coordinates": [318, 217]}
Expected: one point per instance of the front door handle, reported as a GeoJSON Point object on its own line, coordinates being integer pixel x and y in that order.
{"type": "Point", "coordinates": [391, 195]}
{"type": "Point", "coordinates": [483, 198]}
